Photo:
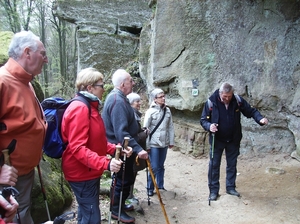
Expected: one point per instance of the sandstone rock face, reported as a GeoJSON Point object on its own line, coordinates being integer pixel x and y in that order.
{"type": "Point", "coordinates": [194, 46]}
{"type": "Point", "coordinates": [107, 31]}
{"type": "Point", "coordinates": [188, 48]}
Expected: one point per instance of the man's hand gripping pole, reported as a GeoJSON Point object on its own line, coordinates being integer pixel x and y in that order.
{"type": "Point", "coordinates": [117, 157]}
{"type": "Point", "coordinates": [125, 145]}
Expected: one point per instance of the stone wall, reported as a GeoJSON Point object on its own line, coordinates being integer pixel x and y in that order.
{"type": "Point", "coordinates": [107, 31]}
{"type": "Point", "coordinates": [194, 46]}
{"type": "Point", "coordinates": [188, 48]}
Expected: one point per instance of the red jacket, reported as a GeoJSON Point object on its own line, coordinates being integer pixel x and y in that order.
{"type": "Point", "coordinates": [21, 117]}
{"type": "Point", "coordinates": [85, 156]}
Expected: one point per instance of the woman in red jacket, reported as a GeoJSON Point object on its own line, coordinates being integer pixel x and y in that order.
{"type": "Point", "coordinates": [85, 157]}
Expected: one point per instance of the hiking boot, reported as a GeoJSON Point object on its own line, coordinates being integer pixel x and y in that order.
{"type": "Point", "coordinates": [213, 196]}
{"type": "Point", "coordinates": [233, 192]}
{"type": "Point", "coordinates": [123, 217]}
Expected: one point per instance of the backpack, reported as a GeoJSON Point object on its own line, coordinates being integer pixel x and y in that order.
{"type": "Point", "coordinates": [237, 97]}
{"type": "Point", "coordinates": [54, 108]}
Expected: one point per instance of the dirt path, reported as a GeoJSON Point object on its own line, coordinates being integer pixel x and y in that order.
{"type": "Point", "coordinates": [266, 197]}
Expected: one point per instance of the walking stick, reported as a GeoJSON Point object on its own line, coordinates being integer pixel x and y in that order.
{"type": "Point", "coordinates": [117, 157]}
{"type": "Point", "coordinates": [137, 163]}
{"type": "Point", "coordinates": [43, 191]}
{"type": "Point", "coordinates": [212, 161]}
{"type": "Point", "coordinates": [158, 193]}
{"type": "Point", "coordinates": [125, 144]}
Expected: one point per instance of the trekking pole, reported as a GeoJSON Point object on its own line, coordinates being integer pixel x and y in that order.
{"type": "Point", "coordinates": [212, 161]}
{"type": "Point", "coordinates": [147, 174]}
{"type": "Point", "coordinates": [6, 152]}
{"type": "Point", "coordinates": [43, 191]}
{"type": "Point", "coordinates": [117, 157]}
{"type": "Point", "coordinates": [125, 144]}
{"type": "Point", "coordinates": [157, 190]}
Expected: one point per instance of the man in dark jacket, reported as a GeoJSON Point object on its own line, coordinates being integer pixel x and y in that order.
{"type": "Point", "coordinates": [120, 122]}
{"type": "Point", "coordinates": [221, 116]}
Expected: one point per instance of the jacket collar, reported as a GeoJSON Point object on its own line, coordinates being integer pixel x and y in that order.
{"type": "Point", "coordinates": [16, 70]}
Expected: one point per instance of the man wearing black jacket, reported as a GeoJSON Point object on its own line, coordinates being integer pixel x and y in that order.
{"type": "Point", "coordinates": [221, 116]}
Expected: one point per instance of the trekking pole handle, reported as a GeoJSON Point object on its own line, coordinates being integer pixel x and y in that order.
{"type": "Point", "coordinates": [6, 157]}
{"type": "Point", "coordinates": [118, 152]}
{"type": "Point", "coordinates": [10, 148]}
{"type": "Point", "coordinates": [126, 140]}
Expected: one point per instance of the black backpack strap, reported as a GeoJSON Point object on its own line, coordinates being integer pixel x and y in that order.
{"type": "Point", "coordinates": [81, 98]}
{"type": "Point", "coordinates": [238, 99]}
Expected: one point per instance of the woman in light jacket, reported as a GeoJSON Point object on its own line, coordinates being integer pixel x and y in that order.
{"type": "Point", "coordinates": [160, 139]}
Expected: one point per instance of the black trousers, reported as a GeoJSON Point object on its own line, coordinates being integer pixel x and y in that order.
{"type": "Point", "coordinates": [122, 180]}
{"type": "Point", "coordinates": [232, 151]}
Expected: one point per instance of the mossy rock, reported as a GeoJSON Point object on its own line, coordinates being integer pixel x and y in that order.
{"type": "Point", "coordinates": [58, 200]}
{"type": "Point", "coordinates": [5, 38]}
{"type": "Point", "coordinates": [38, 89]}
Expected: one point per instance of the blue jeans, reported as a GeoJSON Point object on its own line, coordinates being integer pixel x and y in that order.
{"type": "Point", "coordinates": [157, 159]}
{"type": "Point", "coordinates": [87, 196]}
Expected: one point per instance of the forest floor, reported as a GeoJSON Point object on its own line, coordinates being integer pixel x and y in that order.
{"type": "Point", "coordinates": [269, 186]}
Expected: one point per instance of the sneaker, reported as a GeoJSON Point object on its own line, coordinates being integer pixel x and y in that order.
{"type": "Point", "coordinates": [128, 207]}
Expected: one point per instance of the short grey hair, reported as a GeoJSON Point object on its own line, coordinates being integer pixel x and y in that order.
{"type": "Point", "coordinates": [132, 97]}
{"type": "Point", "coordinates": [20, 41]}
{"type": "Point", "coordinates": [155, 92]}
{"type": "Point", "coordinates": [226, 88]}
{"type": "Point", "coordinates": [118, 77]}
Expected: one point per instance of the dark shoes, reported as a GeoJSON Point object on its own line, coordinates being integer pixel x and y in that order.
{"type": "Point", "coordinates": [128, 207]}
{"type": "Point", "coordinates": [213, 196]}
{"type": "Point", "coordinates": [233, 192]}
{"type": "Point", "coordinates": [123, 217]}
{"type": "Point", "coordinates": [150, 193]}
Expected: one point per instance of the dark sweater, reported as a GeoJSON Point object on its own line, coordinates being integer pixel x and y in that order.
{"type": "Point", "coordinates": [119, 120]}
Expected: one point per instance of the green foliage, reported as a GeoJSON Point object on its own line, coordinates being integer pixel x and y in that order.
{"type": "Point", "coordinates": [108, 88]}
{"type": "Point", "coordinates": [106, 174]}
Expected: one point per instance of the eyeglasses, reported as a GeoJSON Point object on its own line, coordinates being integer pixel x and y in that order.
{"type": "Point", "coordinates": [101, 85]}
{"type": "Point", "coordinates": [160, 97]}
